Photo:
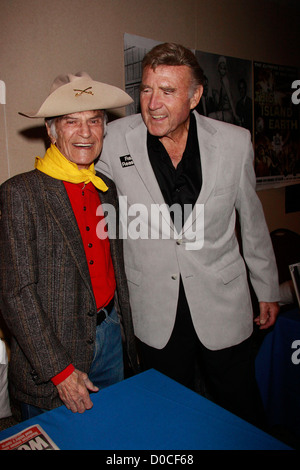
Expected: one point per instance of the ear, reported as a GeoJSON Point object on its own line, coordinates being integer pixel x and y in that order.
{"type": "Point", "coordinates": [51, 137]}
{"type": "Point", "coordinates": [196, 96]}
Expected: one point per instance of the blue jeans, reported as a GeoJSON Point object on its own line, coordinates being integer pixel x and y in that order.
{"type": "Point", "coordinates": [107, 367]}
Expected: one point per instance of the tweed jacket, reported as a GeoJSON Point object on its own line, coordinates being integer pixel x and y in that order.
{"type": "Point", "coordinates": [46, 293]}
{"type": "Point", "coordinates": [206, 253]}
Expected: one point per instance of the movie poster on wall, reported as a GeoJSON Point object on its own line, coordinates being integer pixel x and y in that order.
{"type": "Point", "coordinates": [227, 93]}
{"type": "Point", "coordinates": [276, 121]}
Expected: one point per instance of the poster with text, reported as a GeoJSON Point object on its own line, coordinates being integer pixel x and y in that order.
{"type": "Point", "coordinates": [276, 120]}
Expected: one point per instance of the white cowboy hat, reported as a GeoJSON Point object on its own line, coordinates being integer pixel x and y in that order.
{"type": "Point", "coordinates": [75, 93]}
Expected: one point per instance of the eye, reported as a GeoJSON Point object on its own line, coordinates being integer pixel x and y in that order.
{"type": "Point", "coordinates": [168, 91]}
{"type": "Point", "coordinates": [96, 121]}
{"type": "Point", "coordinates": [145, 89]}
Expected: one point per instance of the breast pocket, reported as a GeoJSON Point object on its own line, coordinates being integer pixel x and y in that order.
{"type": "Point", "coordinates": [225, 190]}
{"type": "Point", "coordinates": [232, 271]}
{"type": "Point", "coordinates": [133, 275]}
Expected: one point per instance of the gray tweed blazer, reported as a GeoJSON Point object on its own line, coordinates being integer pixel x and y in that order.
{"type": "Point", "coordinates": [45, 288]}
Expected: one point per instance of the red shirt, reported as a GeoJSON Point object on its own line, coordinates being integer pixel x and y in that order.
{"type": "Point", "coordinates": [88, 211]}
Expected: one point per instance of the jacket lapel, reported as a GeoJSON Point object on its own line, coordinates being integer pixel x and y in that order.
{"type": "Point", "coordinates": [137, 145]}
{"type": "Point", "coordinates": [209, 155]}
{"type": "Point", "coordinates": [59, 205]}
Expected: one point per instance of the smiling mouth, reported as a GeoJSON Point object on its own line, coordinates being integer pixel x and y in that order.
{"type": "Point", "coordinates": [162, 116]}
{"type": "Point", "coordinates": [85, 146]}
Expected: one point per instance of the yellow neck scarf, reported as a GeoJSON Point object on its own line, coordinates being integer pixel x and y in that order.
{"type": "Point", "coordinates": [56, 165]}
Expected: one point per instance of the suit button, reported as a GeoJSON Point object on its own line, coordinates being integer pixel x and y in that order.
{"type": "Point", "coordinates": [178, 242]}
{"type": "Point", "coordinates": [34, 375]}
{"type": "Point", "coordinates": [174, 277]}
{"type": "Point", "coordinates": [90, 341]}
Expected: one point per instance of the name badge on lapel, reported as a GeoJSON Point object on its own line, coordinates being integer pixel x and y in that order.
{"type": "Point", "coordinates": [126, 160]}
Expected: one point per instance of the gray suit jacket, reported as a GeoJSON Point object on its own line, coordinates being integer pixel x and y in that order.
{"type": "Point", "coordinates": [206, 253]}
{"type": "Point", "coordinates": [46, 293]}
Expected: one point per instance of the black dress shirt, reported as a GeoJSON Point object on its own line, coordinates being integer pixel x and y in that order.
{"type": "Point", "coordinates": [179, 185]}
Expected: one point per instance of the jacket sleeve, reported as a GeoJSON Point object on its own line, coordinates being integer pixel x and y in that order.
{"type": "Point", "coordinates": [256, 242]}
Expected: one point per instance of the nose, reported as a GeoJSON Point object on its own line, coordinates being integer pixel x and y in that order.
{"type": "Point", "coordinates": [84, 129]}
{"type": "Point", "coordinates": [154, 101]}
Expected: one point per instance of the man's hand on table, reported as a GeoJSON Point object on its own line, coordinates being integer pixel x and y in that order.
{"type": "Point", "coordinates": [74, 391]}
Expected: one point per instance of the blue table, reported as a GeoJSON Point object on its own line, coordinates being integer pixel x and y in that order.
{"type": "Point", "coordinates": [278, 372]}
{"type": "Point", "coordinates": [149, 412]}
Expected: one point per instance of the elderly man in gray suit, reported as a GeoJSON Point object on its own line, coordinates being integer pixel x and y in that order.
{"type": "Point", "coordinates": [181, 180]}
{"type": "Point", "coordinates": [63, 286]}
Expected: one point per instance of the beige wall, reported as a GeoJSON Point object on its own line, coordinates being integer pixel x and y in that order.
{"type": "Point", "coordinates": [40, 39]}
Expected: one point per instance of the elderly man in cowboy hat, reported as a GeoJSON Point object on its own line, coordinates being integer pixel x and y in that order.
{"type": "Point", "coordinates": [63, 289]}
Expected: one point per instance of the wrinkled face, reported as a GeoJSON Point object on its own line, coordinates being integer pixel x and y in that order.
{"type": "Point", "coordinates": [79, 136]}
{"type": "Point", "coordinates": [167, 96]}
